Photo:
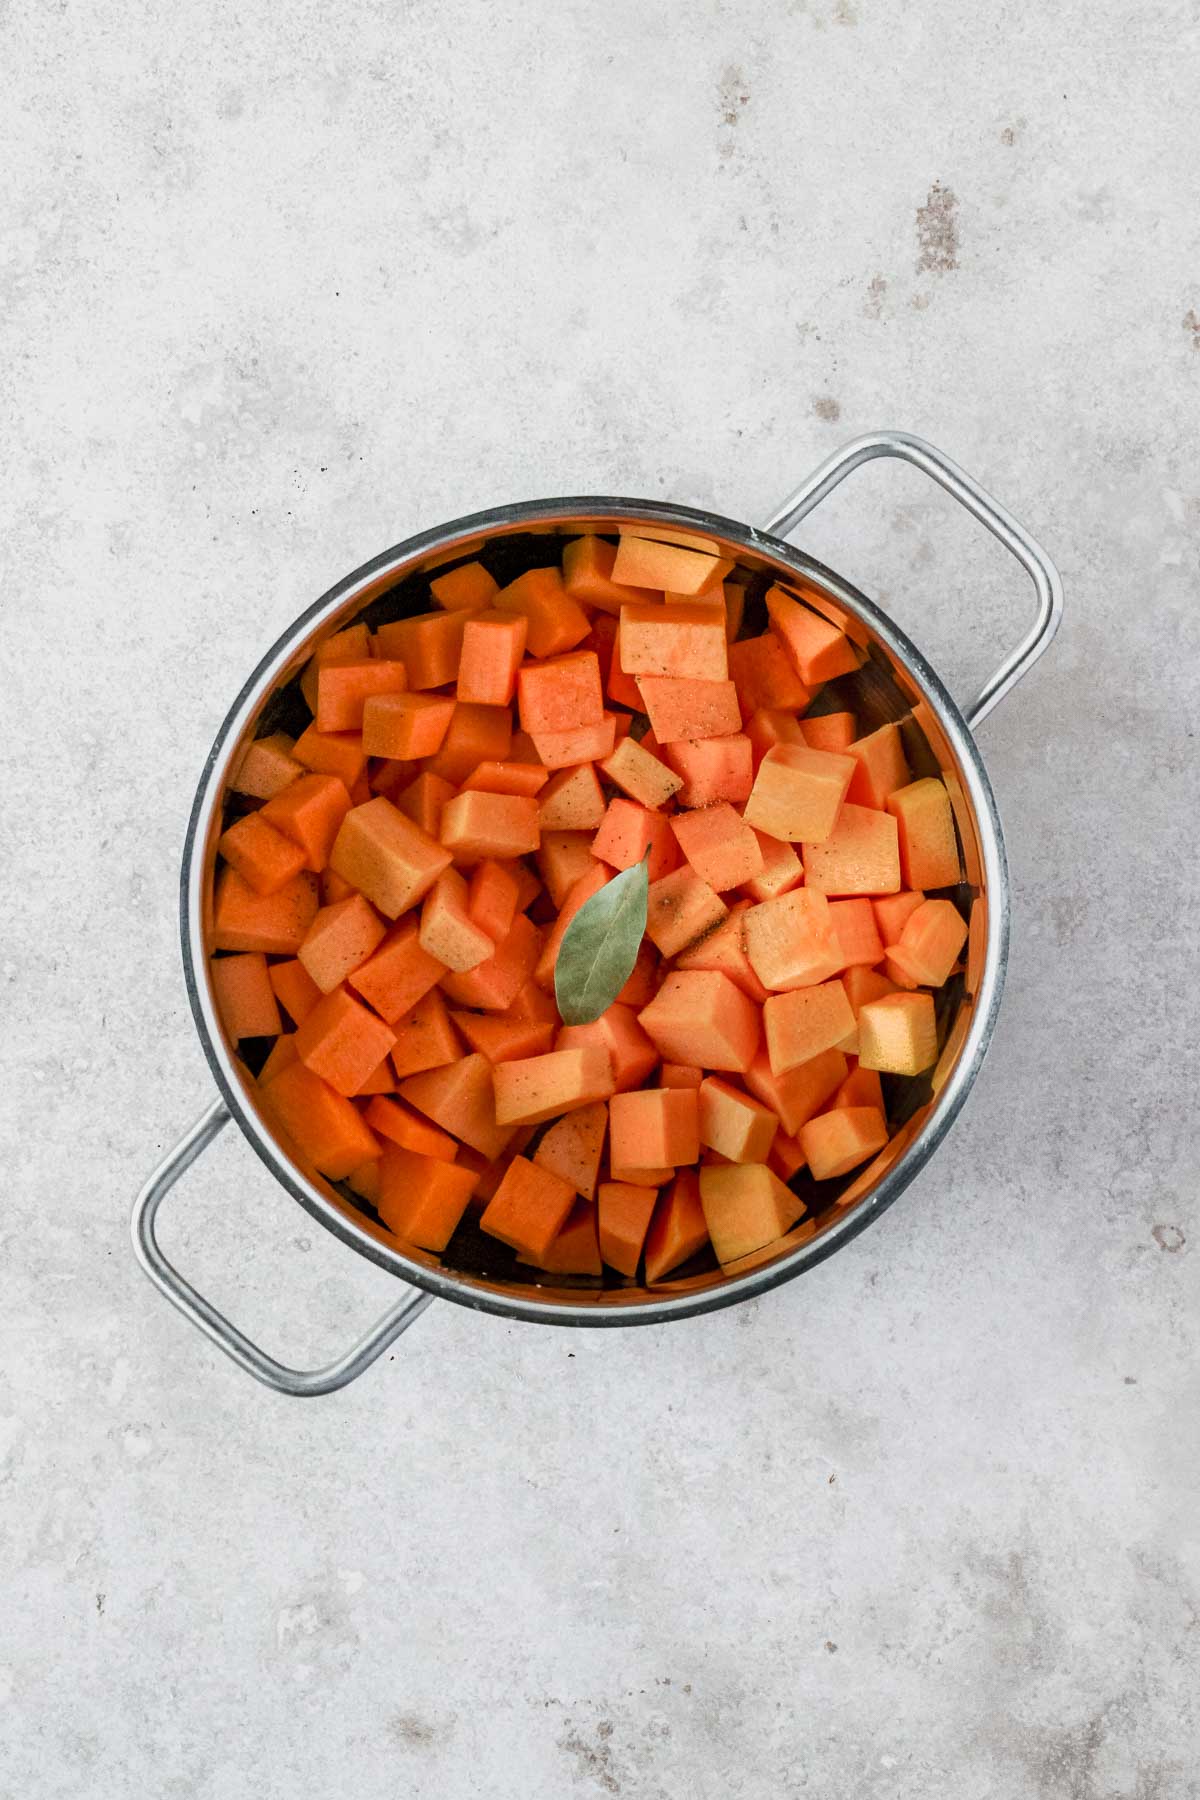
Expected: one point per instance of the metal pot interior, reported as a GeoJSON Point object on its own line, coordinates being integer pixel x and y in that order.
{"type": "Point", "coordinates": [893, 683]}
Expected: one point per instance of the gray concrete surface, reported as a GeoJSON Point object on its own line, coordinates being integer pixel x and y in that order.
{"type": "Point", "coordinates": [279, 285]}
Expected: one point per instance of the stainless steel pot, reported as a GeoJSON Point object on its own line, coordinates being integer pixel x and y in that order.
{"type": "Point", "coordinates": [894, 683]}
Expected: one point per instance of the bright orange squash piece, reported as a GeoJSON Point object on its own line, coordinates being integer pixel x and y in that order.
{"type": "Point", "coordinates": [344, 688]}
{"type": "Point", "coordinates": [459, 1097]}
{"type": "Point", "coordinates": [818, 649]}
{"type": "Point", "coordinates": [733, 1124]}
{"type": "Point", "coordinates": [465, 588]}
{"type": "Point", "coordinates": [798, 793]}
{"type": "Point", "coordinates": [830, 731]}
{"type": "Point", "coordinates": [423, 799]}
{"type": "Point", "coordinates": [244, 996]}
{"type": "Point", "coordinates": [572, 800]}
{"type": "Point", "coordinates": [575, 1250]}
{"type": "Point", "coordinates": [294, 988]}
{"type": "Point", "coordinates": [640, 775]}
{"type": "Point", "coordinates": [573, 1146]}
{"type": "Point", "coordinates": [580, 744]}
{"type": "Point", "coordinates": [325, 1127]}
{"type": "Point", "coordinates": [642, 985]}
{"type": "Point", "coordinates": [262, 856]}
{"type": "Point", "coordinates": [837, 1141]}
{"type": "Point", "coordinates": [504, 1040]}
{"type": "Point", "coordinates": [775, 725]}
{"type": "Point", "coordinates": [337, 753]}
{"type": "Point", "coordinates": [860, 855]}
{"type": "Point", "coordinates": [893, 911]}
{"type": "Point", "coordinates": [799, 1095]}
{"type": "Point", "coordinates": [791, 942]}
{"type": "Point", "coordinates": [629, 831]}
{"type": "Point", "coordinates": [745, 1207]}
{"type": "Point", "coordinates": [931, 941]}
{"type": "Point", "coordinates": [617, 1031]}
{"type": "Point", "coordinates": [381, 1080]}
{"type": "Point", "coordinates": [679, 708]}
{"type": "Point", "coordinates": [422, 1198]}
{"type": "Point", "coordinates": [492, 647]}
{"type": "Point", "coordinates": [654, 1128]}
{"type": "Point", "coordinates": [281, 1055]}
{"type": "Point", "coordinates": [540, 1087]}
{"type": "Point", "coordinates": [310, 812]}
{"type": "Point", "coordinates": [274, 923]}
{"type": "Point", "coordinates": [406, 726]}
{"type": "Point", "coordinates": [782, 869]}
{"type": "Point", "coordinates": [425, 1037]}
{"type": "Point", "coordinates": [725, 950]}
{"type": "Point", "coordinates": [342, 1041]}
{"type": "Point", "coordinates": [623, 1214]}
{"type": "Point", "coordinates": [685, 640]}
{"type": "Point", "coordinates": [386, 857]}
{"type": "Point", "coordinates": [267, 767]}
{"type": "Point", "coordinates": [928, 846]}
{"type": "Point", "coordinates": [339, 940]}
{"type": "Point", "coordinates": [399, 974]}
{"type": "Point", "coordinates": [856, 932]}
{"type": "Point", "coordinates": [700, 1015]}
{"type": "Point", "coordinates": [495, 984]}
{"type": "Point", "coordinates": [678, 1229]}
{"type": "Point", "coordinates": [447, 932]}
{"type": "Point", "coordinates": [881, 766]}
{"type": "Point", "coordinates": [562, 694]}
{"type": "Point", "coordinates": [428, 644]}
{"type": "Point", "coordinates": [649, 563]}
{"type": "Point", "coordinates": [492, 898]}
{"type": "Point", "coordinates": [349, 646]}
{"type": "Point", "coordinates": [862, 1087]}
{"type": "Point", "coordinates": [712, 769]}
{"type": "Point", "coordinates": [681, 909]}
{"type": "Point", "coordinates": [766, 676]}
{"type": "Point", "coordinates": [556, 621]}
{"type": "Point", "coordinates": [508, 777]}
{"type": "Point", "coordinates": [398, 1123]}
{"type": "Point", "coordinates": [529, 1208]}
{"type": "Point", "coordinates": [805, 1021]}
{"type": "Point", "coordinates": [564, 857]}
{"type": "Point", "coordinates": [718, 845]}
{"type": "Point", "coordinates": [476, 734]}
{"type": "Point", "coordinates": [587, 576]}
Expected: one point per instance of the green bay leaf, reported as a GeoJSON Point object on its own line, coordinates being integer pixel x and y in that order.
{"type": "Point", "coordinates": [600, 946]}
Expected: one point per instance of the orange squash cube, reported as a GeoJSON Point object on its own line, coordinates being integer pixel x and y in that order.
{"type": "Point", "coordinates": [540, 1087]}
{"type": "Point", "coordinates": [421, 1198]}
{"type": "Point", "coordinates": [310, 812]}
{"type": "Point", "coordinates": [386, 857]}
{"type": "Point", "coordinates": [476, 825]}
{"type": "Point", "coordinates": [572, 800]}
{"type": "Point", "coordinates": [766, 676]}
{"type": "Point", "coordinates": [718, 845]}
{"type": "Point", "coordinates": [344, 688]}
{"type": "Point", "coordinates": [423, 799]}
{"type": "Point", "coordinates": [746, 1206]}
{"type": "Point", "coordinates": [725, 950]}
{"type": "Point", "coordinates": [679, 708]}
{"type": "Point", "coordinates": [702, 1016]}
{"type": "Point", "coordinates": [575, 1250]}
{"type": "Point", "coordinates": [881, 766]}
{"type": "Point", "coordinates": [447, 932]}
{"type": "Point", "coordinates": [398, 974]}
{"type": "Point", "coordinates": [573, 1146]}
{"type": "Point", "coordinates": [791, 942]}
{"type": "Point", "coordinates": [529, 1208]}
{"type": "Point", "coordinates": [931, 940]}
{"type": "Point", "coordinates": [495, 984]}
{"type": "Point", "coordinates": [428, 644]}
{"type": "Point", "coordinates": [799, 1095]}
{"type": "Point", "coordinates": [856, 932]}
{"type": "Point", "coordinates": [399, 1124]}
{"type": "Point", "coordinates": [563, 694]}
{"type": "Point", "coordinates": [928, 846]}
{"type": "Point", "coordinates": [862, 1087]}
{"type": "Point", "coordinates": [649, 563]}
{"type": "Point", "coordinates": [830, 731]}
{"type": "Point", "coordinates": [712, 769]}
{"type": "Point", "coordinates": [244, 996]}
{"type": "Point", "coordinates": [262, 856]}
{"type": "Point", "coordinates": [859, 856]}
{"type": "Point", "coordinates": [294, 988]}
{"type": "Point", "coordinates": [654, 1128]}
{"type": "Point", "coordinates": [502, 1039]}
{"type": "Point", "coordinates": [805, 1021]}
{"type": "Point", "coordinates": [337, 753]}
{"type": "Point", "coordinates": [325, 1127]}
{"type": "Point", "coordinates": [733, 1124]}
{"type": "Point", "coordinates": [818, 649]}
{"type": "Point", "coordinates": [342, 1041]}
{"type": "Point", "coordinates": [406, 726]}
{"type": "Point", "coordinates": [639, 990]}
{"type": "Point", "coordinates": [587, 575]}
{"type": "Point", "coordinates": [772, 725]}
{"type": "Point", "coordinates": [339, 940]}
{"type": "Point", "coordinates": [898, 1034]}
{"type": "Point", "coordinates": [465, 588]}
{"type": "Point", "coordinates": [681, 909]}
{"type": "Point", "coordinates": [836, 1142]}
{"type": "Point", "coordinates": [798, 793]}
{"type": "Point", "coordinates": [640, 774]}
{"type": "Point", "coordinates": [459, 1097]}
{"type": "Point", "coordinates": [686, 640]}
{"type": "Point", "coordinates": [623, 1214]}
{"type": "Point", "coordinates": [678, 1230]}
{"type": "Point", "coordinates": [476, 734]}
{"type": "Point", "coordinates": [629, 831]}
{"type": "Point", "coordinates": [352, 645]}
{"type": "Point", "coordinates": [893, 911]}
{"type": "Point", "coordinates": [782, 869]}
{"type": "Point", "coordinates": [631, 1053]}
{"type": "Point", "coordinates": [492, 647]}
{"type": "Point", "coordinates": [281, 1055]}
{"type": "Point", "coordinates": [267, 767]}
{"type": "Point", "coordinates": [557, 622]}
{"type": "Point", "coordinates": [492, 898]}
{"type": "Point", "coordinates": [274, 923]}
{"type": "Point", "coordinates": [582, 743]}
{"type": "Point", "coordinates": [564, 857]}
{"type": "Point", "coordinates": [425, 1037]}
{"type": "Point", "coordinates": [509, 777]}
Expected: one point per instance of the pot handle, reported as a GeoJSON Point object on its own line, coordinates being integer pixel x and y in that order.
{"type": "Point", "coordinates": [963, 488]}
{"type": "Point", "coordinates": [302, 1383]}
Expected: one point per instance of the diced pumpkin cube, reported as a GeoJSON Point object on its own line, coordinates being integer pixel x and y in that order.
{"type": "Point", "coordinates": [476, 825]}
{"type": "Point", "coordinates": [393, 1120]}
{"type": "Point", "coordinates": [587, 576]}
{"type": "Point", "coordinates": [712, 769]}
{"type": "Point", "coordinates": [630, 1051]}
{"type": "Point", "coordinates": [344, 688]}
{"type": "Point", "coordinates": [476, 734]}
{"type": "Point", "coordinates": [628, 831]}
{"type": "Point", "coordinates": [575, 1249]}
{"type": "Point", "coordinates": [893, 911]}
{"type": "Point", "coordinates": [529, 1208]}
{"type": "Point", "coordinates": [406, 726]}
{"type": "Point", "coordinates": [640, 774]}
{"type": "Point", "coordinates": [805, 1021]}
{"type": "Point", "coordinates": [798, 793]}
{"type": "Point", "coordinates": [862, 1087]}
{"type": "Point", "coordinates": [856, 932]}
{"type": "Point", "coordinates": [766, 676]}
{"type": "Point", "coordinates": [791, 942]}
{"type": "Point", "coordinates": [654, 1128]}
{"type": "Point", "coordinates": [928, 846]}
{"type": "Point", "coordinates": [582, 743]}
{"type": "Point", "coordinates": [564, 856]}
{"type": "Point", "coordinates": [310, 812]}
{"type": "Point", "coordinates": [881, 766]}
{"type": "Point", "coordinates": [836, 1142]}
{"type": "Point", "coordinates": [725, 950]}
{"type": "Point", "coordinates": [557, 622]}
{"type": "Point", "coordinates": [325, 1127]}
{"type": "Point", "coordinates": [381, 1080]}
{"type": "Point", "coordinates": [339, 940]}
{"type": "Point", "coordinates": [342, 1041]}
{"type": "Point", "coordinates": [262, 856]}
{"type": "Point", "coordinates": [733, 1124]}
{"type": "Point", "coordinates": [244, 996]}
{"type": "Point", "coordinates": [678, 1230]}
{"type": "Point", "coordinates": [572, 800]}
{"type": "Point", "coordinates": [422, 1198]}
{"type": "Point", "coordinates": [786, 1156]}
{"type": "Point", "coordinates": [504, 1039]}
{"type": "Point", "coordinates": [686, 640]}
{"type": "Point", "coordinates": [649, 563]}
{"type": "Point", "coordinates": [274, 923]}
{"type": "Point", "coordinates": [859, 856]}
{"type": "Point", "coordinates": [492, 898]}
{"type": "Point", "coordinates": [447, 931]}
{"type": "Point", "coordinates": [337, 753]}
{"type": "Point", "coordinates": [495, 984]}
{"type": "Point", "coordinates": [681, 908]}
{"type": "Point", "coordinates": [508, 777]}
{"type": "Point", "coordinates": [425, 1037]}
{"type": "Point", "coordinates": [746, 1206]}
{"type": "Point", "coordinates": [830, 731]}
{"type": "Point", "coordinates": [423, 799]}
{"type": "Point", "coordinates": [459, 1097]}
{"type": "Point", "coordinates": [782, 869]}
{"type": "Point", "coordinates": [492, 647]}
{"type": "Point", "coordinates": [898, 1034]}
{"type": "Point", "coordinates": [772, 725]}
{"type": "Point", "coordinates": [573, 1146]}
{"type": "Point", "coordinates": [294, 988]}
{"type": "Point", "coordinates": [399, 974]}
{"type": "Point", "coordinates": [386, 857]}
{"type": "Point", "coordinates": [540, 1087]}
{"type": "Point", "coordinates": [818, 649]}
{"type": "Point", "coordinates": [679, 708]}
{"type": "Point", "coordinates": [700, 1015]}
{"type": "Point", "coordinates": [267, 767]}
{"type": "Point", "coordinates": [931, 940]}
{"type": "Point", "coordinates": [719, 846]}
{"type": "Point", "coordinates": [428, 644]}
{"type": "Point", "coordinates": [349, 646]}
{"type": "Point", "coordinates": [799, 1095]}
{"type": "Point", "coordinates": [623, 1214]}
{"type": "Point", "coordinates": [465, 588]}
{"type": "Point", "coordinates": [563, 694]}
{"type": "Point", "coordinates": [281, 1055]}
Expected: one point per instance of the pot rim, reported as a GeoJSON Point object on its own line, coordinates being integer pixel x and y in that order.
{"type": "Point", "coordinates": [588, 1309]}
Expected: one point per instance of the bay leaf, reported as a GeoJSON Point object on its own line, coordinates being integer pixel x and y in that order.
{"type": "Point", "coordinates": [600, 946]}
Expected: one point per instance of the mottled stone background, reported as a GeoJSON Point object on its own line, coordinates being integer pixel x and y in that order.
{"type": "Point", "coordinates": [282, 284]}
